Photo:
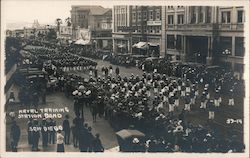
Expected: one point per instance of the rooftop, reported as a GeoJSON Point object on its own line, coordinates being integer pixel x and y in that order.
{"type": "Point", "coordinates": [94, 10]}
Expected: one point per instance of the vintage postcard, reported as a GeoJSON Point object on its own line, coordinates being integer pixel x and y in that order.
{"type": "Point", "coordinates": [124, 78]}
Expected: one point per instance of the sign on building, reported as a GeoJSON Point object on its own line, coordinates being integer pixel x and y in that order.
{"type": "Point", "coordinates": [84, 35]}
{"type": "Point", "coordinates": [154, 23]}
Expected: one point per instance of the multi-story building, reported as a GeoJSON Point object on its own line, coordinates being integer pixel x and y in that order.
{"type": "Point", "coordinates": [204, 34]}
{"type": "Point", "coordinates": [15, 33]}
{"type": "Point", "coordinates": [37, 30]}
{"type": "Point", "coordinates": [29, 32]}
{"type": "Point", "coordinates": [134, 24]}
{"type": "Point", "coordinates": [99, 22]}
{"type": "Point", "coordinates": [121, 33]}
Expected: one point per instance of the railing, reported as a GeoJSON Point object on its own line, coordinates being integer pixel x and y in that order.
{"type": "Point", "coordinates": [204, 26]}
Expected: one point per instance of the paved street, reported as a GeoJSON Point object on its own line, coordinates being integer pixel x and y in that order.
{"type": "Point", "coordinates": [57, 100]}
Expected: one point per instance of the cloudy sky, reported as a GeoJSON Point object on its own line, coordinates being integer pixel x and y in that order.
{"type": "Point", "coordinates": [14, 11]}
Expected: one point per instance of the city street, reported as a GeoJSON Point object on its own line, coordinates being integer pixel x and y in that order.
{"type": "Point", "coordinates": [108, 137]}
{"type": "Point", "coordinates": [126, 78]}
{"type": "Point", "coordinates": [58, 100]}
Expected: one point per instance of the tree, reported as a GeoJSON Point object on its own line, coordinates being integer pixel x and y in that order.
{"type": "Point", "coordinates": [58, 23]}
{"type": "Point", "coordinates": [68, 21]}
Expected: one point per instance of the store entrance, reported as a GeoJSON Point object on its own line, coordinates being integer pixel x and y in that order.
{"type": "Point", "coordinates": [197, 48]}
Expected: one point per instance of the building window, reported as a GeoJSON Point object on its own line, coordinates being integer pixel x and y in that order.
{"type": "Point", "coordinates": [239, 46]}
{"type": "Point", "coordinates": [178, 42]}
{"type": "Point", "coordinates": [226, 17]}
{"type": "Point", "coordinates": [144, 15]}
{"type": "Point", "coordinates": [180, 19]}
{"type": "Point", "coordinates": [239, 16]}
{"type": "Point", "coordinates": [170, 19]}
{"type": "Point", "coordinates": [208, 14]}
{"type": "Point", "coordinates": [193, 15]}
{"type": "Point", "coordinates": [151, 15]}
{"type": "Point", "coordinates": [158, 29]}
{"type": "Point", "coordinates": [201, 14]}
{"type": "Point", "coordinates": [170, 41]}
{"type": "Point", "coordinates": [123, 10]}
{"type": "Point", "coordinates": [139, 16]}
{"type": "Point", "coordinates": [139, 29]}
{"type": "Point", "coordinates": [134, 17]}
{"type": "Point", "coordinates": [150, 29]}
{"type": "Point", "coordinates": [158, 14]}
{"type": "Point", "coordinates": [225, 44]}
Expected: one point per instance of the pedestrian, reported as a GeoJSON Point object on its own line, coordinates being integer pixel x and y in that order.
{"type": "Point", "coordinates": [12, 96]}
{"type": "Point", "coordinates": [59, 141]}
{"type": "Point", "coordinates": [35, 99]}
{"type": "Point", "coordinates": [29, 131]}
{"type": "Point", "coordinates": [36, 136]}
{"type": "Point", "coordinates": [187, 102]}
{"type": "Point", "coordinates": [12, 114]}
{"type": "Point", "coordinates": [110, 70]}
{"type": "Point", "coordinates": [117, 71]}
{"type": "Point", "coordinates": [217, 98]}
{"type": "Point", "coordinates": [83, 138]}
{"type": "Point", "coordinates": [14, 136]}
{"type": "Point", "coordinates": [103, 70]}
{"type": "Point", "coordinates": [52, 132]}
{"type": "Point", "coordinates": [90, 72]}
{"type": "Point", "coordinates": [94, 110]}
{"type": "Point", "coordinates": [171, 104]}
{"type": "Point", "coordinates": [95, 73]}
{"type": "Point", "coordinates": [66, 129]}
{"type": "Point", "coordinates": [203, 101]}
{"type": "Point", "coordinates": [97, 144]}
{"type": "Point", "coordinates": [43, 93]}
{"type": "Point", "coordinates": [45, 133]}
{"type": "Point", "coordinates": [78, 122]}
{"type": "Point", "coordinates": [231, 98]}
{"type": "Point", "coordinates": [100, 106]}
{"type": "Point", "coordinates": [211, 109]}
{"type": "Point", "coordinates": [74, 134]}
{"type": "Point", "coordinates": [89, 140]}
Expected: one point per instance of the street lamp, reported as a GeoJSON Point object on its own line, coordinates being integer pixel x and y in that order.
{"type": "Point", "coordinates": [197, 54]}
{"type": "Point", "coordinates": [226, 53]}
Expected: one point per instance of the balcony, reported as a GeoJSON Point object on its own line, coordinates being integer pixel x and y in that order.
{"type": "Point", "coordinates": [190, 27]}
{"type": "Point", "coordinates": [206, 27]}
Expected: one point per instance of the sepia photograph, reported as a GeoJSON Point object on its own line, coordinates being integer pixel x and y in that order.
{"type": "Point", "coordinates": [109, 77]}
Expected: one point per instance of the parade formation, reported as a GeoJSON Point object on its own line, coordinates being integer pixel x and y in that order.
{"type": "Point", "coordinates": [101, 86]}
{"type": "Point", "coordinates": [158, 104]}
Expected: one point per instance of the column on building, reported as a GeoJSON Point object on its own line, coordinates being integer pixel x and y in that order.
{"type": "Point", "coordinates": [214, 15]}
{"type": "Point", "coordinates": [209, 51]}
{"type": "Point", "coordinates": [114, 27]}
{"type": "Point", "coordinates": [233, 51]}
{"type": "Point", "coordinates": [184, 47]}
{"type": "Point", "coordinates": [163, 32]}
{"type": "Point", "coordinates": [187, 16]}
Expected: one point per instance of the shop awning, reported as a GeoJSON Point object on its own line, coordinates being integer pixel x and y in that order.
{"type": "Point", "coordinates": [82, 42]}
{"type": "Point", "coordinates": [141, 45]}
{"type": "Point", "coordinates": [121, 46]}
{"type": "Point", "coordinates": [153, 44]}
{"type": "Point", "coordinates": [127, 133]}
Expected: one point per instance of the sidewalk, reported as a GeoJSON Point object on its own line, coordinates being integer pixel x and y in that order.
{"type": "Point", "coordinates": [58, 100]}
